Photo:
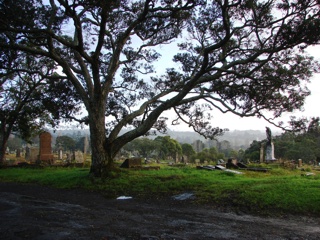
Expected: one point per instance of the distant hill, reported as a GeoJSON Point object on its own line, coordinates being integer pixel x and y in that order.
{"type": "Point", "coordinates": [237, 138]}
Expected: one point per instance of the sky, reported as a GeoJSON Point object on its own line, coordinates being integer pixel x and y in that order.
{"type": "Point", "coordinates": [233, 122]}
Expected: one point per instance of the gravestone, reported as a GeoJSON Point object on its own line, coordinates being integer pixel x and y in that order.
{"type": "Point", "coordinates": [60, 154]}
{"type": "Point", "coordinates": [78, 157]}
{"type": "Point", "coordinates": [131, 163]}
{"type": "Point", "coordinates": [18, 153]}
{"type": "Point", "coordinates": [232, 163]}
{"type": "Point", "coordinates": [68, 157]}
{"type": "Point", "coordinates": [269, 147]}
{"type": "Point", "coordinates": [262, 153]}
{"type": "Point", "coordinates": [27, 155]}
{"type": "Point", "coordinates": [85, 145]}
{"type": "Point", "coordinates": [45, 153]}
{"type": "Point", "coordinates": [32, 154]}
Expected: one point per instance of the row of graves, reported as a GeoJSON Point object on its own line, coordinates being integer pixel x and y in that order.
{"type": "Point", "coordinates": [43, 154]}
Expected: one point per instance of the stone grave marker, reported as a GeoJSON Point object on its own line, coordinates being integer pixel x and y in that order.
{"type": "Point", "coordinates": [60, 154]}
{"type": "Point", "coordinates": [45, 153]}
{"type": "Point", "coordinates": [78, 157]}
{"type": "Point", "coordinates": [27, 155]}
{"type": "Point", "coordinates": [262, 153]}
{"type": "Point", "coordinates": [32, 154]}
{"type": "Point", "coordinates": [85, 145]}
{"type": "Point", "coordinates": [131, 163]}
{"type": "Point", "coordinates": [18, 153]}
{"type": "Point", "coordinates": [68, 157]}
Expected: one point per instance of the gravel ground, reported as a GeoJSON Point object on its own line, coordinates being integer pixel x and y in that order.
{"type": "Point", "coordinates": [30, 211]}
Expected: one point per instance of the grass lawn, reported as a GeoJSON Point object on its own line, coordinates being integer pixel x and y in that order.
{"type": "Point", "coordinates": [277, 191]}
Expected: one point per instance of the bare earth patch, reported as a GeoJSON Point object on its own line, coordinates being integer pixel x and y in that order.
{"type": "Point", "coordinates": [30, 211]}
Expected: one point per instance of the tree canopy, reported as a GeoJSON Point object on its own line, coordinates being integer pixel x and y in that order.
{"type": "Point", "coordinates": [30, 96]}
{"type": "Point", "coordinates": [245, 57]}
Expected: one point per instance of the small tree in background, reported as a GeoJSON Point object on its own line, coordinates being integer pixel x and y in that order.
{"type": "Point", "coordinates": [144, 146]}
{"type": "Point", "coordinates": [167, 147]}
{"type": "Point", "coordinates": [65, 143]}
{"type": "Point", "coordinates": [187, 150]}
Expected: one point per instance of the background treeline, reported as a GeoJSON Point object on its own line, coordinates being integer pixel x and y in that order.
{"type": "Point", "coordinates": [167, 148]}
{"type": "Point", "coordinates": [304, 145]}
{"type": "Point", "coordinates": [63, 142]}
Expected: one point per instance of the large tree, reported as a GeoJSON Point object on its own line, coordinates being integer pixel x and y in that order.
{"type": "Point", "coordinates": [245, 57]}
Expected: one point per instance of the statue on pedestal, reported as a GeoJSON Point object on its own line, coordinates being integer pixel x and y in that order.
{"type": "Point", "coordinates": [269, 146]}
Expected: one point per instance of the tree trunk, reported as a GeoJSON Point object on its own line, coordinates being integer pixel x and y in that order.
{"type": "Point", "coordinates": [3, 148]}
{"type": "Point", "coordinates": [4, 137]}
{"type": "Point", "coordinates": [102, 158]}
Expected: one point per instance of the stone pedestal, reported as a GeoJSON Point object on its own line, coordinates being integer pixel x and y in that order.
{"type": "Point", "coordinates": [270, 152]}
{"type": "Point", "coordinates": [131, 163]}
{"type": "Point", "coordinates": [45, 153]}
{"type": "Point", "coordinates": [32, 154]}
{"type": "Point", "coordinates": [262, 153]}
{"type": "Point", "coordinates": [85, 145]}
{"type": "Point", "coordinates": [60, 155]}
{"type": "Point", "coordinates": [78, 157]}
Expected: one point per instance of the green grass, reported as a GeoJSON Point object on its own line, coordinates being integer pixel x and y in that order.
{"type": "Point", "coordinates": [278, 191]}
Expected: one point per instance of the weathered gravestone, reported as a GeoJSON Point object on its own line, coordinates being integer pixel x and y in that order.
{"type": "Point", "coordinates": [131, 163]}
{"type": "Point", "coordinates": [45, 153]}
{"type": "Point", "coordinates": [68, 157]}
{"type": "Point", "coordinates": [299, 163]}
{"type": "Point", "coordinates": [27, 155]}
{"type": "Point", "coordinates": [85, 145]}
{"type": "Point", "coordinates": [78, 157]}
{"type": "Point", "coordinates": [232, 163]}
{"type": "Point", "coordinates": [18, 153]}
{"type": "Point", "coordinates": [60, 154]}
{"type": "Point", "coordinates": [32, 154]}
{"type": "Point", "coordinates": [262, 146]}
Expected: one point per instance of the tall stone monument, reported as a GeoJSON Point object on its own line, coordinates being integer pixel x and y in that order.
{"type": "Point", "coordinates": [85, 144]}
{"type": "Point", "coordinates": [45, 153]}
{"type": "Point", "coordinates": [262, 157]}
{"type": "Point", "coordinates": [269, 147]}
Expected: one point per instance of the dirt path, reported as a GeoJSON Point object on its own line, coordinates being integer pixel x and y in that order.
{"type": "Point", "coordinates": [37, 212]}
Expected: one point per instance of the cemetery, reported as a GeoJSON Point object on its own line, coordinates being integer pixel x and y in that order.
{"type": "Point", "coordinates": [43, 155]}
{"type": "Point", "coordinates": [127, 72]}
{"type": "Point", "coordinates": [199, 190]}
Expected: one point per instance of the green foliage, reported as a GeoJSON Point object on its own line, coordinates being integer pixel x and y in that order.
{"type": "Point", "coordinates": [65, 143]}
{"type": "Point", "coordinates": [208, 155]}
{"type": "Point", "coordinates": [167, 147]}
{"type": "Point", "coordinates": [80, 144]}
{"type": "Point", "coordinates": [253, 152]}
{"type": "Point", "coordinates": [144, 146]}
{"type": "Point", "coordinates": [304, 145]}
{"type": "Point", "coordinates": [187, 150]}
{"type": "Point", "coordinates": [15, 143]}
